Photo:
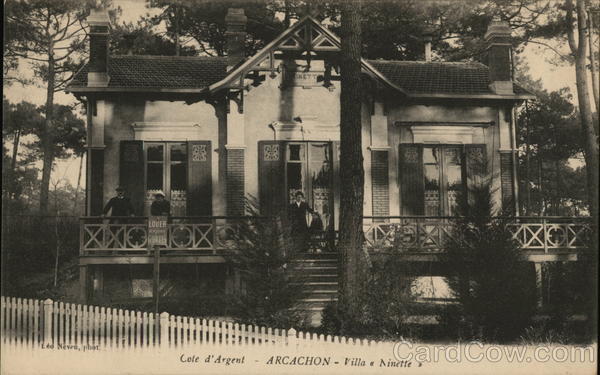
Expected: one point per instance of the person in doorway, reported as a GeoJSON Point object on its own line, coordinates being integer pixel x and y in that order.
{"type": "Point", "coordinates": [119, 205]}
{"type": "Point", "coordinates": [297, 212]}
{"type": "Point", "coordinates": [317, 235]}
{"type": "Point", "coordinates": [160, 206]}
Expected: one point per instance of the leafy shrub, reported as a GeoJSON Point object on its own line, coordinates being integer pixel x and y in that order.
{"type": "Point", "coordinates": [271, 287]}
{"type": "Point", "coordinates": [382, 305]}
{"type": "Point", "coordinates": [494, 285]}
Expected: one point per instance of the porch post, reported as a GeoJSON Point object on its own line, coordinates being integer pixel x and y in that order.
{"type": "Point", "coordinates": [379, 166]}
{"type": "Point", "coordinates": [235, 156]}
{"type": "Point", "coordinates": [83, 284]}
{"type": "Point", "coordinates": [539, 284]}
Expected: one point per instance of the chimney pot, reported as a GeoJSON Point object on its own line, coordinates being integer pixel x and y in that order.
{"type": "Point", "coordinates": [427, 38]}
{"type": "Point", "coordinates": [99, 23]}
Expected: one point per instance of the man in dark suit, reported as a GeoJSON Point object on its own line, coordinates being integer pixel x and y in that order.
{"type": "Point", "coordinates": [119, 205]}
{"type": "Point", "coordinates": [297, 215]}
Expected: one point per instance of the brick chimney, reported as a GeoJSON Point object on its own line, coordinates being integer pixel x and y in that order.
{"type": "Point", "coordinates": [499, 56]}
{"type": "Point", "coordinates": [98, 64]}
{"type": "Point", "coordinates": [235, 20]}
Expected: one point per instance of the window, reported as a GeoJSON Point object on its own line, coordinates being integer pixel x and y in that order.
{"type": "Point", "coordinates": [309, 169]}
{"type": "Point", "coordinates": [166, 171]}
{"type": "Point", "coordinates": [432, 177]}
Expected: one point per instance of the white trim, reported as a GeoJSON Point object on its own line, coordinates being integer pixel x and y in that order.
{"type": "Point", "coordinates": [166, 131]}
{"type": "Point", "coordinates": [443, 134]}
{"type": "Point", "coordinates": [235, 147]}
{"type": "Point", "coordinates": [308, 130]}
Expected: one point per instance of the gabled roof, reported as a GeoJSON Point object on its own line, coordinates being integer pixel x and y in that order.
{"type": "Point", "coordinates": [306, 34]}
{"type": "Point", "coordinates": [156, 73]}
{"type": "Point", "coordinates": [453, 79]}
{"type": "Point", "coordinates": [185, 74]}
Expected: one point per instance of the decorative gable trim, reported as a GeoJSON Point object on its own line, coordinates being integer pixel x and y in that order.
{"type": "Point", "coordinates": [306, 35]}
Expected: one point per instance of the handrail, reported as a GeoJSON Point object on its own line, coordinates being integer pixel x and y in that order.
{"type": "Point", "coordinates": [174, 217]}
{"type": "Point", "coordinates": [494, 217]}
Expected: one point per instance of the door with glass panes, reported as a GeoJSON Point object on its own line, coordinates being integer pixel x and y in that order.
{"type": "Point", "coordinates": [443, 177]}
{"type": "Point", "coordinates": [433, 177]}
{"type": "Point", "coordinates": [166, 172]}
{"type": "Point", "coordinates": [308, 169]}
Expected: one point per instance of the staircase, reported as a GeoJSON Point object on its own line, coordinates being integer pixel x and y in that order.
{"type": "Point", "coordinates": [318, 272]}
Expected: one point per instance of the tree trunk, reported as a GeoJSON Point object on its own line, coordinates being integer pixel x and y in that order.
{"type": "Point", "coordinates": [540, 187]}
{"type": "Point", "coordinates": [590, 147]}
{"type": "Point", "coordinates": [177, 28]}
{"type": "Point", "coordinates": [557, 187]}
{"type": "Point", "coordinates": [351, 159]}
{"type": "Point", "coordinates": [47, 141]}
{"type": "Point", "coordinates": [592, 59]}
{"type": "Point", "coordinates": [15, 151]}
{"type": "Point", "coordinates": [13, 164]}
{"type": "Point", "coordinates": [76, 203]}
{"type": "Point", "coordinates": [527, 163]}
{"type": "Point", "coordinates": [585, 110]}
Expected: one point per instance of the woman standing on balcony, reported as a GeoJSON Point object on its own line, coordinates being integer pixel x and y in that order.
{"type": "Point", "coordinates": [160, 206]}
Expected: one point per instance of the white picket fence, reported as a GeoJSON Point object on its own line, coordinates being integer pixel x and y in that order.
{"type": "Point", "coordinates": [32, 323]}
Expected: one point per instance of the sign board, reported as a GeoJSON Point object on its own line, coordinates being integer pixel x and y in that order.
{"type": "Point", "coordinates": [303, 79]}
{"type": "Point", "coordinates": [157, 231]}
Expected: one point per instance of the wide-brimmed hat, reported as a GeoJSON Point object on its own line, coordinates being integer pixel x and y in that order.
{"type": "Point", "coordinates": [159, 194]}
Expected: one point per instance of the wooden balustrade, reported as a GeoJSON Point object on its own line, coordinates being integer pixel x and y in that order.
{"type": "Point", "coordinates": [429, 234]}
{"type": "Point", "coordinates": [416, 234]}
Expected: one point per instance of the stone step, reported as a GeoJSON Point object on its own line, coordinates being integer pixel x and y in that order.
{"type": "Point", "coordinates": [312, 287]}
{"type": "Point", "coordinates": [319, 283]}
{"type": "Point", "coordinates": [318, 300]}
{"type": "Point", "coordinates": [302, 265]}
{"type": "Point", "coordinates": [322, 255]}
{"type": "Point", "coordinates": [313, 271]}
{"type": "Point", "coordinates": [320, 294]}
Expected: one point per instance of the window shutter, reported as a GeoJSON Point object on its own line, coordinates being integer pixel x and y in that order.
{"type": "Point", "coordinates": [199, 189]}
{"type": "Point", "coordinates": [412, 196]}
{"type": "Point", "coordinates": [132, 173]}
{"type": "Point", "coordinates": [476, 167]}
{"type": "Point", "coordinates": [271, 160]}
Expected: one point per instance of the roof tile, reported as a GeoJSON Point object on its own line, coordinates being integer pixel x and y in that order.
{"type": "Point", "coordinates": [421, 77]}
{"type": "Point", "coordinates": [165, 72]}
{"type": "Point", "coordinates": [187, 72]}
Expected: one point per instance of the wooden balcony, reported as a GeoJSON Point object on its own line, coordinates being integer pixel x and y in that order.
{"type": "Point", "coordinates": [419, 237]}
{"type": "Point", "coordinates": [542, 238]}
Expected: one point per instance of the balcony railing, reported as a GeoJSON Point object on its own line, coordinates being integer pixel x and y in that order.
{"type": "Point", "coordinates": [420, 234]}
{"type": "Point", "coordinates": [198, 234]}
{"type": "Point", "coordinates": [430, 234]}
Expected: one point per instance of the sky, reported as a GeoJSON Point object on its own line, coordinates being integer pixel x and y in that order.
{"type": "Point", "coordinates": [536, 56]}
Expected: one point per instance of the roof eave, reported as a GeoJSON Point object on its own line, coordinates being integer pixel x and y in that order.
{"type": "Point", "coordinates": [85, 89]}
{"type": "Point", "coordinates": [472, 96]}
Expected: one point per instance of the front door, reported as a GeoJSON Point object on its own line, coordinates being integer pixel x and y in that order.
{"type": "Point", "coordinates": [309, 170]}
{"type": "Point", "coordinates": [166, 172]}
